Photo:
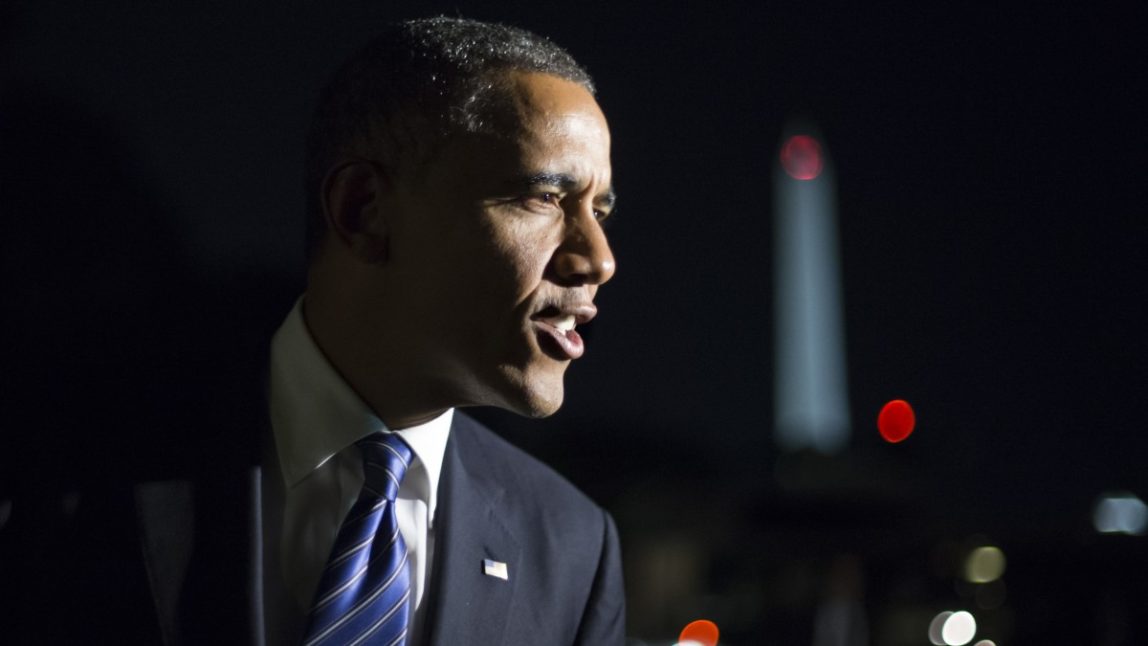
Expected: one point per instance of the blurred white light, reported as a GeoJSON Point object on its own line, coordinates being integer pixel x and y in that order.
{"type": "Point", "coordinates": [959, 629]}
{"type": "Point", "coordinates": [935, 627]}
{"type": "Point", "coordinates": [984, 564]}
{"type": "Point", "coordinates": [811, 389]}
{"type": "Point", "coordinates": [985, 642]}
{"type": "Point", "coordinates": [1121, 513]}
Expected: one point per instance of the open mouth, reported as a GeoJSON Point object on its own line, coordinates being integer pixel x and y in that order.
{"type": "Point", "coordinates": [555, 329]}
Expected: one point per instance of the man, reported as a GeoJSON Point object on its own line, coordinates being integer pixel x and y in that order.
{"type": "Point", "coordinates": [459, 173]}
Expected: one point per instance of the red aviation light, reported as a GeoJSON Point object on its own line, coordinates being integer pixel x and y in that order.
{"type": "Point", "coordinates": [801, 157]}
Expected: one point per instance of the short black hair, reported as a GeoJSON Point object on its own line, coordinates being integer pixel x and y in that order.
{"type": "Point", "coordinates": [410, 87]}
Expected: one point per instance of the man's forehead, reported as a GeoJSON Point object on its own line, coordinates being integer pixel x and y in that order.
{"type": "Point", "coordinates": [537, 109]}
{"type": "Point", "coordinates": [507, 101]}
{"type": "Point", "coordinates": [545, 93]}
{"type": "Point", "coordinates": [553, 112]}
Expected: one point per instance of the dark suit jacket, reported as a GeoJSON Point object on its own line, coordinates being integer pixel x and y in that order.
{"type": "Point", "coordinates": [202, 546]}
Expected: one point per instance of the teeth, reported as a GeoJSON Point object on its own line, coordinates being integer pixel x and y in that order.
{"type": "Point", "coordinates": [565, 323]}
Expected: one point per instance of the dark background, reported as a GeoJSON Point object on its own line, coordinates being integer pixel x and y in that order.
{"type": "Point", "coordinates": [991, 191]}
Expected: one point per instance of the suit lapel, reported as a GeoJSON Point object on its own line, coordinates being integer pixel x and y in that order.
{"type": "Point", "coordinates": [469, 606]}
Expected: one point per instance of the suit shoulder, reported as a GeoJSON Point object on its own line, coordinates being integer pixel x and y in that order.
{"type": "Point", "coordinates": [524, 475]}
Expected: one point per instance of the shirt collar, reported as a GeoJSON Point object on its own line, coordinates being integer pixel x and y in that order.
{"type": "Point", "coordinates": [315, 414]}
{"type": "Point", "coordinates": [428, 441]}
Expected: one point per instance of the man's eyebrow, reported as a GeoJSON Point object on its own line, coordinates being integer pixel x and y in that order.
{"type": "Point", "coordinates": [558, 180]}
{"type": "Point", "coordinates": [567, 182]}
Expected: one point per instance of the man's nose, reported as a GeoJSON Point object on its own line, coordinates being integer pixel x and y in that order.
{"type": "Point", "coordinates": [584, 257]}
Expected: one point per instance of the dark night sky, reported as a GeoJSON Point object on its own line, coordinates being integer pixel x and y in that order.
{"type": "Point", "coordinates": [990, 197]}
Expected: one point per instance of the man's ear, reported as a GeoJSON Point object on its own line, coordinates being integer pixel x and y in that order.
{"type": "Point", "coordinates": [354, 204]}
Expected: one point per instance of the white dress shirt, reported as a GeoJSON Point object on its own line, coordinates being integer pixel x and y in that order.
{"type": "Point", "coordinates": [314, 475]}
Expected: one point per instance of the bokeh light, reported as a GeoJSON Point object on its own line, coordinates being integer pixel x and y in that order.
{"type": "Point", "coordinates": [959, 629]}
{"type": "Point", "coordinates": [801, 157]}
{"type": "Point", "coordinates": [935, 627]}
{"type": "Point", "coordinates": [984, 564]}
{"type": "Point", "coordinates": [1120, 513]}
{"type": "Point", "coordinates": [985, 642]}
{"type": "Point", "coordinates": [896, 421]}
{"type": "Point", "coordinates": [701, 632]}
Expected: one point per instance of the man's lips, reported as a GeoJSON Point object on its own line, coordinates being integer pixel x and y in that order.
{"type": "Point", "coordinates": [555, 328]}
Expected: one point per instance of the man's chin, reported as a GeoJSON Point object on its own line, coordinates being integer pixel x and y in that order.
{"type": "Point", "coordinates": [537, 404]}
{"type": "Point", "coordinates": [539, 411]}
{"type": "Point", "coordinates": [533, 396]}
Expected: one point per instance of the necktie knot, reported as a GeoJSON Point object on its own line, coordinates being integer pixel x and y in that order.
{"type": "Point", "coordinates": [385, 460]}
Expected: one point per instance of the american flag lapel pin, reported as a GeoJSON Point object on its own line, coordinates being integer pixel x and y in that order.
{"type": "Point", "coordinates": [495, 569]}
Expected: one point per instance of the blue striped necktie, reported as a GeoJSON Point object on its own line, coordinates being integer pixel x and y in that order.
{"type": "Point", "coordinates": [364, 593]}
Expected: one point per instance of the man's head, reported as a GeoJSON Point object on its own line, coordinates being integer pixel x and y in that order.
{"type": "Point", "coordinates": [461, 171]}
{"type": "Point", "coordinates": [413, 86]}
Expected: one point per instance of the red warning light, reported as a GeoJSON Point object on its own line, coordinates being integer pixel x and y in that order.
{"type": "Point", "coordinates": [702, 631]}
{"type": "Point", "coordinates": [801, 157]}
{"type": "Point", "coordinates": [896, 421]}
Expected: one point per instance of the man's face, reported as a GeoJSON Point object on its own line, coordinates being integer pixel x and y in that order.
{"type": "Point", "coordinates": [497, 249]}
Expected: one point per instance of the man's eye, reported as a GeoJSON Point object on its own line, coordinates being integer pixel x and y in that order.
{"type": "Point", "coordinates": [542, 200]}
{"type": "Point", "coordinates": [601, 215]}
